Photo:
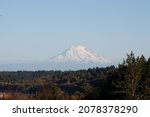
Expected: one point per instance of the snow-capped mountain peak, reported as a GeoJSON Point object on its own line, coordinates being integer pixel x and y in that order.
{"type": "Point", "coordinates": [74, 58]}
{"type": "Point", "coordinates": [79, 54]}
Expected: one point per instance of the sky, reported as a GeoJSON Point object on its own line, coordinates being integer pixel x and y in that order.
{"type": "Point", "coordinates": [36, 30]}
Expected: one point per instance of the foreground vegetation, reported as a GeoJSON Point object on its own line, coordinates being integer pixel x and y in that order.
{"type": "Point", "coordinates": [130, 80]}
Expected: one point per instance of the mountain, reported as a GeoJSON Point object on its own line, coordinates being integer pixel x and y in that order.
{"type": "Point", "coordinates": [77, 57]}
{"type": "Point", "coordinates": [73, 58]}
{"type": "Point", "coordinates": [78, 54]}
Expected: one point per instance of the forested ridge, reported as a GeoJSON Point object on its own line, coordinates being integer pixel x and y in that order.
{"type": "Point", "coordinates": [129, 80]}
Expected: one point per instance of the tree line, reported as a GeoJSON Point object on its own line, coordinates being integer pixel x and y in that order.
{"type": "Point", "coordinates": [129, 80]}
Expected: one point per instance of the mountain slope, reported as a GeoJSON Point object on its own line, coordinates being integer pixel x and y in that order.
{"type": "Point", "coordinates": [79, 54]}
{"type": "Point", "coordinates": [77, 57]}
{"type": "Point", "coordinates": [74, 58]}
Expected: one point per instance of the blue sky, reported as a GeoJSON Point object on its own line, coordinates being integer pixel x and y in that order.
{"type": "Point", "coordinates": [36, 30]}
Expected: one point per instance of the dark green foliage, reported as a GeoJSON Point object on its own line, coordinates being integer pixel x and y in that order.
{"type": "Point", "coordinates": [133, 78]}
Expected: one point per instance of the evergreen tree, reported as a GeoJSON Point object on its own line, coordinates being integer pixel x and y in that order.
{"type": "Point", "coordinates": [134, 74]}
{"type": "Point", "coordinates": [146, 89]}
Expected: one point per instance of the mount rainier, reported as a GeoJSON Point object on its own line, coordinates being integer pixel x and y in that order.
{"type": "Point", "coordinates": [73, 58]}
{"type": "Point", "coordinates": [77, 57]}
{"type": "Point", "coordinates": [78, 54]}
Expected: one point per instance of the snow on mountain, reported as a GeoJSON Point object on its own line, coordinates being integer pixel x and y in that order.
{"type": "Point", "coordinates": [74, 58]}
{"type": "Point", "coordinates": [79, 54]}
